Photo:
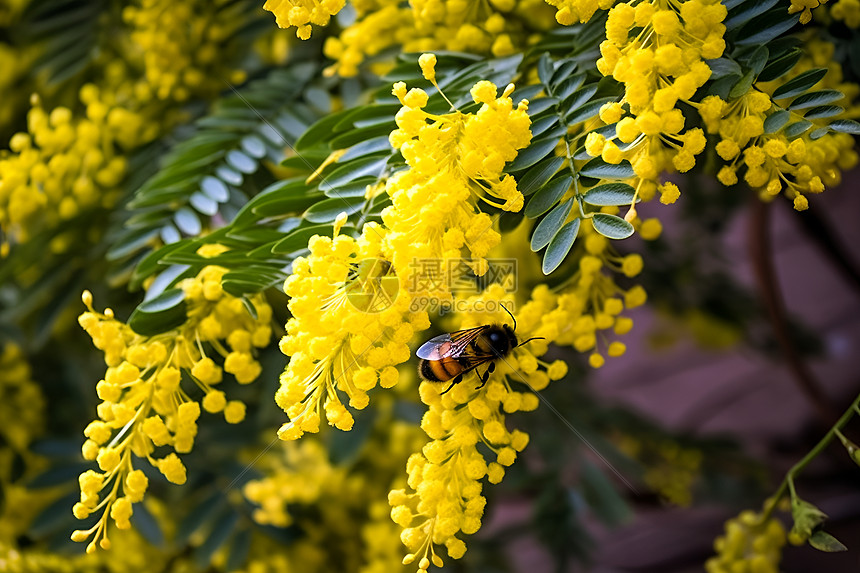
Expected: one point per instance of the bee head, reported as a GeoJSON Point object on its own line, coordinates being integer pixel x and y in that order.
{"type": "Point", "coordinates": [502, 339]}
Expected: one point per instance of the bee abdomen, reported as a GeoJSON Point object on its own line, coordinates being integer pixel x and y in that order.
{"type": "Point", "coordinates": [440, 370]}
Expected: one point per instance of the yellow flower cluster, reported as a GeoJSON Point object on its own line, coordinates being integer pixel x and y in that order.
{"type": "Point", "coordinates": [590, 303]}
{"type": "Point", "coordinates": [671, 470]}
{"type": "Point", "coordinates": [444, 498]}
{"type": "Point", "coordinates": [498, 27]}
{"type": "Point", "coordinates": [774, 162]}
{"type": "Point", "coordinates": [181, 46]}
{"type": "Point", "coordinates": [455, 160]}
{"type": "Point", "coordinates": [351, 299]}
{"type": "Point", "coordinates": [847, 11]}
{"type": "Point", "coordinates": [130, 552]}
{"type": "Point", "coordinates": [302, 475]}
{"type": "Point", "coordinates": [572, 11]}
{"type": "Point", "coordinates": [805, 7]}
{"type": "Point", "coordinates": [64, 164]}
{"type": "Point", "coordinates": [22, 407]}
{"type": "Point", "coordinates": [302, 13]}
{"type": "Point", "coordinates": [144, 405]}
{"type": "Point", "coordinates": [350, 327]}
{"type": "Point", "coordinates": [338, 507]}
{"type": "Point", "coordinates": [21, 402]}
{"type": "Point", "coordinates": [749, 544]}
{"type": "Point", "coordinates": [660, 65]}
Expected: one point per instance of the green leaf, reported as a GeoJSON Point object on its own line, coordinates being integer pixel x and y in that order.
{"type": "Point", "coordinates": [780, 66]}
{"type": "Point", "coordinates": [544, 68]}
{"type": "Point", "coordinates": [559, 246]}
{"type": "Point", "coordinates": [201, 514]}
{"type": "Point", "coordinates": [602, 497]}
{"type": "Point", "coordinates": [131, 243]}
{"type": "Point", "coordinates": [215, 189]}
{"type": "Point", "coordinates": [548, 196]}
{"type": "Point", "coordinates": [722, 67]}
{"type": "Point", "coordinates": [806, 517]}
{"type": "Point", "coordinates": [562, 73]}
{"type": "Point", "coordinates": [203, 203]}
{"type": "Point", "coordinates": [222, 529]}
{"type": "Point", "coordinates": [541, 104]}
{"type": "Point", "coordinates": [253, 146]}
{"type": "Point", "coordinates": [160, 314]}
{"type": "Point", "coordinates": [187, 221]}
{"type": "Point", "coordinates": [356, 188]}
{"type": "Point", "coordinates": [823, 541]}
{"type": "Point", "coordinates": [819, 133]}
{"type": "Point", "coordinates": [599, 169]}
{"type": "Point", "coordinates": [756, 60]}
{"type": "Point", "coordinates": [746, 11]}
{"type": "Point", "coordinates": [796, 128]}
{"type": "Point", "coordinates": [766, 27]}
{"type": "Point", "coordinates": [799, 84]}
{"type": "Point", "coordinates": [239, 548]}
{"type": "Point", "coordinates": [742, 86]}
{"type": "Point", "coordinates": [368, 147]}
{"type": "Point", "coordinates": [610, 194]}
{"type": "Point", "coordinates": [577, 99]}
{"type": "Point", "coordinates": [611, 226]}
{"type": "Point", "coordinates": [536, 151]}
{"type": "Point", "coordinates": [144, 523]}
{"type": "Point", "coordinates": [542, 125]}
{"type": "Point", "coordinates": [365, 167]}
{"type": "Point", "coordinates": [240, 162]}
{"type": "Point", "coordinates": [321, 130]}
{"type": "Point", "coordinates": [54, 517]}
{"type": "Point", "coordinates": [326, 211]}
{"type": "Point", "coordinates": [345, 447]}
{"type": "Point", "coordinates": [588, 111]}
{"type": "Point", "coordinates": [228, 175]}
{"type": "Point", "coordinates": [775, 121]}
{"type": "Point", "coordinates": [298, 239]}
{"type": "Point", "coordinates": [813, 99]}
{"type": "Point", "coordinates": [723, 86]}
{"type": "Point", "coordinates": [537, 176]}
{"type": "Point", "coordinates": [845, 126]}
{"type": "Point", "coordinates": [824, 111]}
{"type": "Point", "coordinates": [567, 87]}
{"type": "Point", "coordinates": [58, 475]}
{"type": "Point", "coordinates": [550, 225]}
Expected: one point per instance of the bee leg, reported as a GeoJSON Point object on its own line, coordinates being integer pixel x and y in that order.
{"type": "Point", "coordinates": [456, 380]}
{"type": "Point", "coordinates": [486, 375]}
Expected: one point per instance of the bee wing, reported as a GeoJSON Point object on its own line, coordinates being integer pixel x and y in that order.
{"type": "Point", "coordinates": [472, 361]}
{"type": "Point", "coordinates": [448, 344]}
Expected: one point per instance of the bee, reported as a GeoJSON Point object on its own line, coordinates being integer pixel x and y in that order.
{"type": "Point", "coordinates": [451, 356]}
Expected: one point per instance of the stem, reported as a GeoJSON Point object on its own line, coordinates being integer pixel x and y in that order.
{"type": "Point", "coordinates": [788, 481]}
{"type": "Point", "coordinates": [761, 253]}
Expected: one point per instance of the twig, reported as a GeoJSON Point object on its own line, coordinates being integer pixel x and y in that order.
{"type": "Point", "coordinates": [788, 481]}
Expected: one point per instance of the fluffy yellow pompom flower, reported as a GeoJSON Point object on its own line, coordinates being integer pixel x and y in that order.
{"type": "Point", "coordinates": [302, 13]}
{"type": "Point", "coordinates": [750, 543]}
{"type": "Point", "coordinates": [351, 324]}
{"type": "Point", "coordinates": [143, 405]}
{"type": "Point", "coordinates": [660, 67]}
{"type": "Point", "coordinates": [456, 161]}
{"type": "Point", "coordinates": [774, 163]}
{"type": "Point", "coordinates": [443, 499]}
{"type": "Point", "coordinates": [497, 28]}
